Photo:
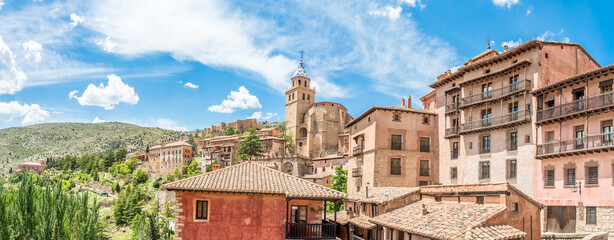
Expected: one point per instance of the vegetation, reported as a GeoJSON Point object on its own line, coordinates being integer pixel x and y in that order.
{"type": "Point", "coordinates": [229, 131]}
{"type": "Point", "coordinates": [250, 146]}
{"type": "Point", "coordinates": [339, 184]}
{"type": "Point", "coordinates": [40, 209]}
{"type": "Point", "coordinates": [287, 138]}
{"type": "Point", "coordinates": [153, 224]}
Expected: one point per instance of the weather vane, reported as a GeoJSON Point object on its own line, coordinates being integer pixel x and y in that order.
{"type": "Point", "coordinates": [302, 52]}
{"type": "Point", "coordinates": [488, 42]}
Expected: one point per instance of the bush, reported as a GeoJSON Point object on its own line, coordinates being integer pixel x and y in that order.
{"type": "Point", "coordinates": [140, 175]}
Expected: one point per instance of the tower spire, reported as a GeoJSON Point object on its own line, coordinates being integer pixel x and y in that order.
{"type": "Point", "coordinates": [302, 52]}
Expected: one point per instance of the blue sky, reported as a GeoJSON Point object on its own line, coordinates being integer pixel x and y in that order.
{"type": "Point", "coordinates": [189, 64]}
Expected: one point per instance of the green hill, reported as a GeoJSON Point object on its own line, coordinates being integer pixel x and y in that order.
{"type": "Point", "coordinates": [21, 144]}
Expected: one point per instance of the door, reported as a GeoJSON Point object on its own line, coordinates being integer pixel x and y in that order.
{"type": "Point", "coordinates": [561, 219]}
{"type": "Point", "coordinates": [579, 98]}
{"type": "Point", "coordinates": [579, 137]}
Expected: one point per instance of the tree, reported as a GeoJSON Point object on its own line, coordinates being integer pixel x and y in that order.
{"type": "Point", "coordinates": [140, 175]}
{"type": "Point", "coordinates": [229, 131]}
{"type": "Point", "coordinates": [147, 149]}
{"type": "Point", "coordinates": [128, 205]}
{"type": "Point", "coordinates": [117, 188]}
{"type": "Point", "coordinates": [339, 184]}
{"type": "Point", "coordinates": [120, 155]}
{"type": "Point", "coordinates": [250, 146]}
{"type": "Point", "coordinates": [193, 169]}
{"type": "Point", "coordinates": [287, 138]}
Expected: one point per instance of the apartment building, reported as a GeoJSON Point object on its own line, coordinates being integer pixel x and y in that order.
{"type": "Point", "coordinates": [574, 152]}
{"type": "Point", "coordinates": [487, 112]}
{"type": "Point", "coordinates": [165, 157]}
{"type": "Point", "coordinates": [224, 148]}
{"type": "Point", "coordinates": [393, 147]}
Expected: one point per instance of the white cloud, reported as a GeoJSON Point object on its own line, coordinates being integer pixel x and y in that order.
{"type": "Point", "coordinates": [511, 43]}
{"type": "Point", "coordinates": [392, 13]}
{"type": "Point", "coordinates": [505, 3]}
{"type": "Point", "coordinates": [107, 96]}
{"type": "Point", "coordinates": [33, 50]}
{"type": "Point", "coordinates": [31, 113]}
{"type": "Point", "coordinates": [98, 120]}
{"type": "Point", "coordinates": [190, 85]}
{"type": "Point", "coordinates": [169, 124]}
{"type": "Point", "coordinates": [241, 99]}
{"type": "Point", "coordinates": [529, 10]}
{"type": "Point", "coordinates": [107, 44]}
{"type": "Point", "coordinates": [76, 20]}
{"type": "Point", "coordinates": [545, 36]}
{"type": "Point", "coordinates": [11, 78]}
{"type": "Point", "coordinates": [414, 3]}
{"type": "Point", "coordinates": [1, 4]}
{"type": "Point", "coordinates": [258, 115]}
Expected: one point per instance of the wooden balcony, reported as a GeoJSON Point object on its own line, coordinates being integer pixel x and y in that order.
{"type": "Point", "coordinates": [452, 108]}
{"type": "Point", "coordinates": [500, 122]}
{"type": "Point", "coordinates": [602, 102]}
{"type": "Point", "coordinates": [451, 132]}
{"type": "Point", "coordinates": [311, 231]}
{"type": "Point", "coordinates": [357, 172]}
{"type": "Point", "coordinates": [584, 145]}
{"type": "Point", "coordinates": [496, 94]}
{"type": "Point", "coordinates": [357, 150]}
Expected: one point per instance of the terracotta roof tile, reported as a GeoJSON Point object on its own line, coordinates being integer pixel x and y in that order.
{"type": "Point", "coordinates": [362, 221]}
{"type": "Point", "coordinates": [499, 232]}
{"type": "Point", "coordinates": [444, 220]}
{"type": "Point", "coordinates": [249, 177]}
{"type": "Point", "coordinates": [342, 217]}
{"type": "Point", "coordinates": [379, 195]}
{"type": "Point", "coordinates": [392, 108]}
{"type": "Point", "coordinates": [602, 70]}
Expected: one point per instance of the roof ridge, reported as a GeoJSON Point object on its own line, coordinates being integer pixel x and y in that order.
{"type": "Point", "coordinates": [202, 174]}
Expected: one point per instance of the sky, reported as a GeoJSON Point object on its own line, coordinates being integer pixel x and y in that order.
{"type": "Point", "coordinates": [190, 64]}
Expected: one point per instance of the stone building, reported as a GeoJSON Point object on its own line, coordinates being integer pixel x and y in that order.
{"type": "Point", "coordinates": [224, 148]}
{"type": "Point", "coordinates": [165, 157]}
{"type": "Point", "coordinates": [393, 146]}
{"type": "Point", "coordinates": [487, 113]}
{"type": "Point", "coordinates": [239, 125]}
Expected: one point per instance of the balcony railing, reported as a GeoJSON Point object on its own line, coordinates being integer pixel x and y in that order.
{"type": "Point", "coordinates": [578, 106]}
{"type": "Point", "coordinates": [588, 143]}
{"type": "Point", "coordinates": [357, 150]}
{"type": "Point", "coordinates": [496, 122]}
{"type": "Point", "coordinates": [425, 172]}
{"type": "Point", "coordinates": [496, 93]}
{"type": "Point", "coordinates": [357, 172]}
{"type": "Point", "coordinates": [311, 231]}
{"type": "Point", "coordinates": [453, 131]}
{"type": "Point", "coordinates": [452, 107]}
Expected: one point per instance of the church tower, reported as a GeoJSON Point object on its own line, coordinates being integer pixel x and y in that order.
{"type": "Point", "coordinates": [298, 99]}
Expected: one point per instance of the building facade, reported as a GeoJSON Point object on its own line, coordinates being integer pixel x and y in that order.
{"type": "Point", "coordinates": [574, 152]}
{"type": "Point", "coordinates": [224, 148]}
{"type": "Point", "coordinates": [393, 147]}
{"type": "Point", "coordinates": [487, 112]}
{"type": "Point", "coordinates": [239, 125]}
{"type": "Point", "coordinates": [166, 157]}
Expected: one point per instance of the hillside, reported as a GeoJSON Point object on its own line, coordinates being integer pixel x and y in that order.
{"type": "Point", "coordinates": [22, 144]}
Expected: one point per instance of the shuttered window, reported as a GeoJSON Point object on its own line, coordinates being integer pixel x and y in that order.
{"type": "Point", "coordinates": [592, 175]}
{"type": "Point", "coordinates": [396, 142]}
{"type": "Point", "coordinates": [570, 176]}
{"type": "Point", "coordinates": [591, 215]}
{"type": "Point", "coordinates": [395, 166]}
{"type": "Point", "coordinates": [202, 210]}
{"type": "Point", "coordinates": [550, 178]}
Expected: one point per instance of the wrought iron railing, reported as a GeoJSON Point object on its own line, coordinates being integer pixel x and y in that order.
{"type": "Point", "coordinates": [425, 172]}
{"type": "Point", "coordinates": [357, 172]}
{"type": "Point", "coordinates": [497, 121]}
{"type": "Point", "coordinates": [581, 105]}
{"type": "Point", "coordinates": [311, 231]}
{"type": "Point", "coordinates": [452, 131]}
{"type": "Point", "coordinates": [496, 93]}
{"type": "Point", "coordinates": [357, 150]}
{"type": "Point", "coordinates": [452, 107]}
{"type": "Point", "coordinates": [583, 143]}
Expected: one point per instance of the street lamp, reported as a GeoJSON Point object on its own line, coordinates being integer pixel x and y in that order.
{"type": "Point", "coordinates": [577, 187]}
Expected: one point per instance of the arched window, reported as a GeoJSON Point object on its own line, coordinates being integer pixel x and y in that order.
{"type": "Point", "coordinates": [303, 96]}
{"type": "Point", "coordinates": [299, 82]}
{"type": "Point", "coordinates": [289, 97]}
{"type": "Point", "coordinates": [303, 132]}
{"type": "Point", "coordinates": [308, 96]}
{"type": "Point", "coordinates": [305, 83]}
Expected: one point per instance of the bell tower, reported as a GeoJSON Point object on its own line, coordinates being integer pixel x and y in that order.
{"type": "Point", "coordinates": [299, 97]}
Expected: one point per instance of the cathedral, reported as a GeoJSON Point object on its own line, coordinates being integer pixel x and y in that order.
{"type": "Point", "coordinates": [318, 127]}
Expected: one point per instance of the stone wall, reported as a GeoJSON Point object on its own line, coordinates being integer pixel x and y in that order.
{"type": "Point", "coordinates": [605, 221]}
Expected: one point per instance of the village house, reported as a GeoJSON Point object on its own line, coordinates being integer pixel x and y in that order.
{"type": "Point", "coordinates": [166, 157]}
{"type": "Point", "coordinates": [142, 156]}
{"type": "Point", "coordinates": [224, 148]}
{"type": "Point", "coordinates": [36, 167]}
{"type": "Point", "coordinates": [251, 201]}
{"type": "Point", "coordinates": [393, 147]}
{"type": "Point", "coordinates": [239, 125]}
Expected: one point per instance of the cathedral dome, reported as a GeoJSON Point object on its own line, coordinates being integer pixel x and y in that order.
{"type": "Point", "coordinates": [300, 72]}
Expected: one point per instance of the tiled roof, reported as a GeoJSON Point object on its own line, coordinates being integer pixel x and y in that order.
{"type": "Point", "coordinates": [498, 232]}
{"type": "Point", "coordinates": [266, 163]}
{"type": "Point", "coordinates": [391, 108]}
{"type": "Point", "coordinates": [317, 175]}
{"type": "Point", "coordinates": [362, 221]}
{"type": "Point", "coordinates": [599, 71]}
{"type": "Point", "coordinates": [476, 189]}
{"type": "Point", "coordinates": [249, 177]}
{"type": "Point", "coordinates": [443, 220]}
{"type": "Point", "coordinates": [379, 195]}
{"type": "Point", "coordinates": [342, 217]}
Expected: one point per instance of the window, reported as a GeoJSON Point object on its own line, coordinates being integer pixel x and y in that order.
{"type": "Point", "coordinates": [570, 176]}
{"type": "Point", "coordinates": [425, 144]}
{"type": "Point", "coordinates": [470, 145]}
{"type": "Point", "coordinates": [364, 208]}
{"type": "Point", "coordinates": [437, 199]}
{"type": "Point", "coordinates": [375, 210]}
{"type": "Point", "coordinates": [453, 173]}
{"type": "Point", "coordinates": [396, 142]}
{"type": "Point", "coordinates": [515, 207]}
{"type": "Point", "coordinates": [546, 55]}
{"type": "Point", "coordinates": [591, 215]}
{"type": "Point", "coordinates": [369, 119]}
{"type": "Point", "coordinates": [455, 150]}
{"type": "Point", "coordinates": [355, 207]}
{"type": "Point", "coordinates": [395, 166]}
{"type": "Point", "coordinates": [511, 168]}
{"type": "Point", "coordinates": [299, 214]}
{"type": "Point", "coordinates": [480, 200]}
{"type": "Point", "coordinates": [486, 91]}
{"type": "Point", "coordinates": [303, 96]}
{"type": "Point", "coordinates": [396, 117]}
{"type": "Point", "coordinates": [527, 138]}
{"type": "Point", "coordinates": [549, 178]}
{"type": "Point", "coordinates": [484, 170]}
{"type": "Point", "coordinates": [425, 168]}
{"type": "Point", "coordinates": [424, 183]}
{"type": "Point", "coordinates": [513, 141]}
{"type": "Point", "coordinates": [485, 147]}
{"type": "Point", "coordinates": [425, 120]}
{"type": "Point", "coordinates": [579, 137]}
{"type": "Point", "coordinates": [202, 210]}
{"type": "Point", "coordinates": [486, 115]}
{"type": "Point", "coordinates": [607, 135]}
{"type": "Point", "coordinates": [592, 175]}
{"type": "Point", "coordinates": [487, 71]}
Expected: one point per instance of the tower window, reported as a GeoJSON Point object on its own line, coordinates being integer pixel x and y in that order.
{"type": "Point", "coordinates": [299, 82]}
{"type": "Point", "coordinates": [308, 96]}
{"type": "Point", "coordinates": [305, 83]}
{"type": "Point", "coordinates": [303, 96]}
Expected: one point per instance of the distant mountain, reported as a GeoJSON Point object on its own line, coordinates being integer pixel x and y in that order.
{"type": "Point", "coordinates": [21, 144]}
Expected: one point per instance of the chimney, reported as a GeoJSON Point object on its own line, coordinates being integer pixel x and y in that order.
{"type": "Point", "coordinates": [216, 167]}
{"type": "Point", "coordinates": [505, 48]}
{"type": "Point", "coordinates": [409, 101]}
{"type": "Point", "coordinates": [403, 102]}
{"type": "Point", "coordinates": [424, 211]}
